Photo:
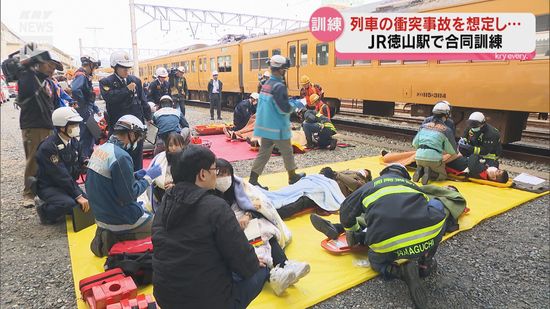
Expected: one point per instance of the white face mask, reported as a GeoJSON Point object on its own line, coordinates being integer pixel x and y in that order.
{"type": "Point", "coordinates": [223, 183]}
{"type": "Point", "coordinates": [476, 129]}
{"type": "Point", "coordinates": [74, 132]}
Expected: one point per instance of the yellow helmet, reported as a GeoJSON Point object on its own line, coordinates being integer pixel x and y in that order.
{"type": "Point", "coordinates": [313, 98]}
{"type": "Point", "coordinates": [304, 79]}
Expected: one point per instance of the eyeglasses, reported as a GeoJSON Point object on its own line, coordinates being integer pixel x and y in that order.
{"type": "Point", "coordinates": [217, 169]}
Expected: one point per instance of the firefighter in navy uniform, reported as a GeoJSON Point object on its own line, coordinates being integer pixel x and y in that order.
{"type": "Point", "coordinates": [180, 90]}
{"type": "Point", "coordinates": [396, 220]}
{"type": "Point", "coordinates": [83, 93]}
{"type": "Point", "coordinates": [481, 138]}
{"type": "Point", "coordinates": [60, 163]}
{"type": "Point", "coordinates": [159, 87]}
{"type": "Point", "coordinates": [123, 94]}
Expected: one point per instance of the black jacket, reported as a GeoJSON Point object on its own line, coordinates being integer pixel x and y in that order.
{"type": "Point", "coordinates": [486, 142]}
{"type": "Point", "coordinates": [157, 90]}
{"type": "Point", "coordinates": [211, 87]}
{"type": "Point", "coordinates": [198, 245]}
{"type": "Point", "coordinates": [180, 87]}
{"type": "Point", "coordinates": [59, 165]}
{"type": "Point", "coordinates": [120, 101]}
{"type": "Point", "coordinates": [390, 206]}
{"type": "Point", "coordinates": [37, 99]}
{"type": "Point", "coordinates": [242, 113]}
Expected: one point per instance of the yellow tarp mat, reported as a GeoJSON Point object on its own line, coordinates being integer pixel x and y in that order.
{"type": "Point", "coordinates": [330, 274]}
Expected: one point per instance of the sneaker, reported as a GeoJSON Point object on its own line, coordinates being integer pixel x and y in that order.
{"type": "Point", "coordinates": [324, 226]}
{"type": "Point", "coordinates": [280, 279]}
{"type": "Point", "coordinates": [426, 176]}
{"type": "Point", "coordinates": [28, 202]}
{"type": "Point", "coordinates": [300, 269]}
{"type": "Point", "coordinates": [409, 274]}
{"type": "Point", "coordinates": [333, 144]}
{"type": "Point", "coordinates": [257, 184]}
{"type": "Point", "coordinates": [294, 179]}
{"type": "Point", "coordinates": [418, 174]}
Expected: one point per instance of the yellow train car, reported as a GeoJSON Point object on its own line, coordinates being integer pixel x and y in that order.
{"type": "Point", "coordinates": [506, 91]}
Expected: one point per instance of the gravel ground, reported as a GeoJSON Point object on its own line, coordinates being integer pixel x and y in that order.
{"type": "Point", "coordinates": [476, 270]}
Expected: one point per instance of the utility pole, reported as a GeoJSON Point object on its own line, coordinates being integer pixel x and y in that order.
{"type": "Point", "coordinates": [134, 37]}
{"type": "Point", "coordinates": [80, 46]}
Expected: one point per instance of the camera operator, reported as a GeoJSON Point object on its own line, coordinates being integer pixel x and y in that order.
{"type": "Point", "coordinates": [37, 99]}
{"type": "Point", "coordinates": [178, 88]}
{"type": "Point", "coordinates": [83, 92]}
{"type": "Point", "coordinates": [159, 87]}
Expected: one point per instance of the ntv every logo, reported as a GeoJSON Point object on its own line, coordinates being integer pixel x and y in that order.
{"type": "Point", "coordinates": [36, 22]}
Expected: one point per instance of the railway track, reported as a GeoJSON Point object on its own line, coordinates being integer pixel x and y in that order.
{"type": "Point", "coordinates": [400, 127]}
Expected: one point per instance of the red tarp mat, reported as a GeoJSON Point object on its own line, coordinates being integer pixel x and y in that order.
{"type": "Point", "coordinates": [230, 150]}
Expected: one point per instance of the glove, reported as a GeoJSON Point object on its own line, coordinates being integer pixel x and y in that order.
{"type": "Point", "coordinates": [140, 174]}
{"type": "Point", "coordinates": [465, 148]}
{"type": "Point", "coordinates": [355, 238]}
{"type": "Point", "coordinates": [154, 171]}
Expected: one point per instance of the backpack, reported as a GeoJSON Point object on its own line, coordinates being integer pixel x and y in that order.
{"type": "Point", "coordinates": [134, 257]}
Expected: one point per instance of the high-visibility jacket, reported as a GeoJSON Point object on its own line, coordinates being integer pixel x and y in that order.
{"type": "Point", "coordinates": [486, 142]}
{"type": "Point", "coordinates": [396, 214]}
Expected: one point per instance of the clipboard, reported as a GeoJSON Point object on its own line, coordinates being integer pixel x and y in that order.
{"type": "Point", "coordinates": [152, 131]}
{"type": "Point", "coordinates": [93, 127]}
{"type": "Point", "coordinates": [81, 220]}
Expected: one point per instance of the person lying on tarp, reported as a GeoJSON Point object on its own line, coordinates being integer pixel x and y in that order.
{"type": "Point", "coordinates": [396, 220]}
{"type": "Point", "coordinates": [176, 144]}
{"type": "Point", "coordinates": [248, 203]}
{"type": "Point", "coordinates": [473, 166]}
{"type": "Point", "coordinates": [316, 123]}
{"type": "Point", "coordinates": [202, 258]}
{"type": "Point", "coordinates": [244, 110]}
{"type": "Point", "coordinates": [168, 119]}
{"type": "Point", "coordinates": [348, 180]}
{"type": "Point", "coordinates": [113, 187]}
{"type": "Point", "coordinates": [60, 163]}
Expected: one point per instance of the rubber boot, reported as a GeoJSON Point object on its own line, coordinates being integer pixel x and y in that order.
{"type": "Point", "coordinates": [418, 173]}
{"type": "Point", "coordinates": [293, 177]}
{"type": "Point", "coordinates": [409, 274]}
{"type": "Point", "coordinates": [253, 180]}
{"type": "Point", "coordinates": [426, 176]}
{"type": "Point", "coordinates": [324, 226]}
{"type": "Point", "coordinates": [426, 266]}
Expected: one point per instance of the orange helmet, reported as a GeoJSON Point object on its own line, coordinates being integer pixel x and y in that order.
{"type": "Point", "coordinates": [70, 73]}
{"type": "Point", "coordinates": [304, 80]}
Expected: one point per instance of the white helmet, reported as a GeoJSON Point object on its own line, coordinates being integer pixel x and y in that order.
{"type": "Point", "coordinates": [254, 95]}
{"type": "Point", "coordinates": [477, 117]}
{"type": "Point", "coordinates": [181, 69]}
{"type": "Point", "coordinates": [441, 108]}
{"type": "Point", "coordinates": [279, 61]}
{"type": "Point", "coordinates": [64, 115]}
{"type": "Point", "coordinates": [214, 73]}
{"type": "Point", "coordinates": [121, 58]}
{"type": "Point", "coordinates": [161, 72]}
{"type": "Point", "coordinates": [267, 74]}
{"type": "Point", "coordinates": [166, 97]}
{"type": "Point", "coordinates": [130, 123]}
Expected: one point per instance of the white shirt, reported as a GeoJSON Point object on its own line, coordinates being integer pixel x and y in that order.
{"type": "Point", "coordinates": [215, 86]}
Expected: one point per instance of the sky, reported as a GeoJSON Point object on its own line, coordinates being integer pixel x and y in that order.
{"type": "Point", "coordinates": [63, 22]}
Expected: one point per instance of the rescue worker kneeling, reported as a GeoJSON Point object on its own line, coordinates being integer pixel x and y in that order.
{"type": "Point", "coordinates": [317, 123]}
{"type": "Point", "coordinates": [113, 188]}
{"type": "Point", "coordinates": [60, 163]}
{"type": "Point", "coordinates": [396, 221]}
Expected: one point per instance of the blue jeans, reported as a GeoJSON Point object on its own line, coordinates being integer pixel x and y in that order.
{"type": "Point", "coordinates": [245, 290]}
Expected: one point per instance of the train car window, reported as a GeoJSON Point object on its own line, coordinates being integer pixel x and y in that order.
{"type": "Point", "coordinates": [361, 62]}
{"type": "Point", "coordinates": [212, 64]}
{"type": "Point", "coordinates": [303, 55]}
{"type": "Point", "coordinates": [275, 52]}
{"type": "Point", "coordinates": [193, 67]}
{"type": "Point", "coordinates": [186, 66]}
{"type": "Point", "coordinates": [254, 56]}
{"type": "Point", "coordinates": [322, 54]}
{"type": "Point", "coordinates": [221, 66]}
{"type": "Point", "coordinates": [205, 64]}
{"type": "Point", "coordinates": [227, 63]}
{"type": "Point", "coordinates": [415, 61]}
{"type": "Point", "coordinates": [542, 47]}
{"type": "Point", "coordinates": [292, 55]}
{"type": "Point", "coordinates": [386, 62]}
{"type": "Point", "coordinates": [200, 64]}
{"type": "Point", "coordinates": [342, 62]}
{"type": "Point", "coordinates": [264, 57]}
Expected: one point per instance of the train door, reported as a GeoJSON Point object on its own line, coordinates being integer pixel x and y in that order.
{"type": "Point", "coordinates": [293, 73]}
{"type": "Point", "coordinates": [203, 71]}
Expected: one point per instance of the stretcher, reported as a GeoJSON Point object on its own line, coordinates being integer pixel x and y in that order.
{"type": "Point", "coordinates": [340, 245]}
{"type": "Point", "coordinates": [210, 129]}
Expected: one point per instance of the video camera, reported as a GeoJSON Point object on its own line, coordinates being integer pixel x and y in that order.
{"type": "Point", "coordinates": [172, 76]}
{"type": "Point", "coordinates": [24, 59]}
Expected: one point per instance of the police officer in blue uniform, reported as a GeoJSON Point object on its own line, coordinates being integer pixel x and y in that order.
{"type": "Point", "coordinates": [60, 163]}
{"type": "Point", "coordinates": [83, 92]}
{"type": "Point", "coordinates": [159, 87]}
{"type": "Point", "coordinates": [123, 94]}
